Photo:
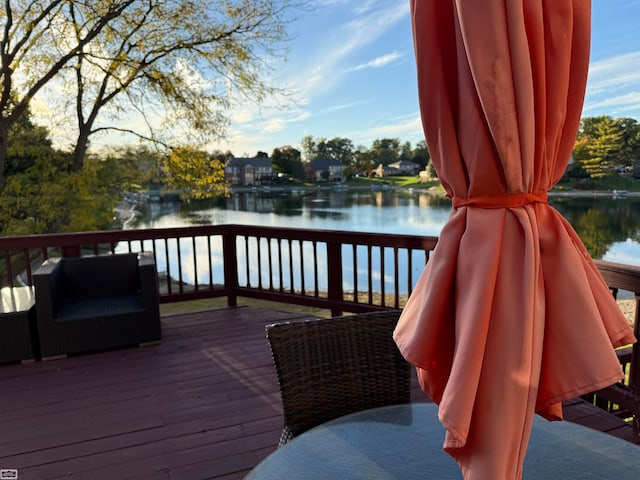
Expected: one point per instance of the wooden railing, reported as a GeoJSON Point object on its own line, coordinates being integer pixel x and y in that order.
{"type": "Point", "coordinates": [623, 399]}
{"type": "Point", "coordinates": [336, 270]}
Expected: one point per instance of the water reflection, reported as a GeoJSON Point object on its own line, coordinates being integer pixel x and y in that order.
{"type": "Point", "coordinates": [609, 228]}
{"type": "Point", "coordinates": [602, 222]}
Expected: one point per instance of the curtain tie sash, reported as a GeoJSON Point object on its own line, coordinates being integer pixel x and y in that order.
{"type": "Point", "coordinates": [508, 200]}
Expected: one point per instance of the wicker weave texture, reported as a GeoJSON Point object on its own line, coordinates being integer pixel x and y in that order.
{"type": "Point", "coordinates": [85, 304]}
{"type": "Point", "coordinates": [328, 368]}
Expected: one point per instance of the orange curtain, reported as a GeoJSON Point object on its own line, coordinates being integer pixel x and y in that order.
{"type": "Point", "coordinates": [510, 316]}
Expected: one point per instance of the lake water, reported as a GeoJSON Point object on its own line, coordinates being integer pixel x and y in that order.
{"type": "Point", "coordinates": [609, 227]}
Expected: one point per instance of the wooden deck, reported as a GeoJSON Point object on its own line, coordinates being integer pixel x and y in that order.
{"type": "Point", "coordinates": [203, 404]}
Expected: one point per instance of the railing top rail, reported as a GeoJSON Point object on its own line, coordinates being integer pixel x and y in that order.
{"type": "Point", "coordinates": [620, 275]}
{"type": "Point", "coordinates": [304, 234]}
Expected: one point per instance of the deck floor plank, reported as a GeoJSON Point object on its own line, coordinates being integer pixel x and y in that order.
{"type": "Point", "coordinates": [203, 404]}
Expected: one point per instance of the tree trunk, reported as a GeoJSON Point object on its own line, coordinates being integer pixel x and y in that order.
{"type": "Point", "coordinates": [3, 156]}
{"type": "Point", "coordinates": [80, 150]}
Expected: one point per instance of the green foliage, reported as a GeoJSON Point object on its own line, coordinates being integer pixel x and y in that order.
{"type": "Point", "coordinates": [605, 143]}
{"type": "Point", "coordinates": [420, 155]}
{"type": "Point", "coordinates": [48, 198]}
{"type": "Point", "coordinates": [338, 148]}
{"type": "Point", "coordinates": [362, 160]}
{"type": "Point", "coordinates": [194, 173]}
{"type": "Point", "coordinates": [25, 142]}
{"type": "Point", "coordinates": [365, 162]}
{"type": "Point", "coordinates": [178, 64]}
{"type": "Point", "coordinates": [287, 160]}
{"type": "Point", "coordinates": [44, 195]}
{"type": "Point", "coordinates": [431, 169]}
{"type": "Point", "coordinates": [386, 150]}
{"type": "Point", "coordinates": [133, 169]}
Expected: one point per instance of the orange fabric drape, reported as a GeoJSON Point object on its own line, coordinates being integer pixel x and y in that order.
{"type": "Point", "coordinates": [510, 316]}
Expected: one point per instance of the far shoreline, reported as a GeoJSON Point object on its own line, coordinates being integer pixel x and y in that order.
{"type": "Point", "coordinates": [432, 190]}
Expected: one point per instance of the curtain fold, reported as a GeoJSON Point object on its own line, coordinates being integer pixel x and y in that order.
{"type": "Point", "coordinates": [510, 316]}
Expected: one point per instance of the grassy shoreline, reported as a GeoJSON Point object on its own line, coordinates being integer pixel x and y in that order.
{"type": "Point", "coordinates": [602, 187]}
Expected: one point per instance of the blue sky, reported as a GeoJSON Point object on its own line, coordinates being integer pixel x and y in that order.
{"type": "Point", "coordinates": [352, 69]}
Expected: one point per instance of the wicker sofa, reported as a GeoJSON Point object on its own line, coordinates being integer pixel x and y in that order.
{"type": "Point", "coordinates": [96, 302]}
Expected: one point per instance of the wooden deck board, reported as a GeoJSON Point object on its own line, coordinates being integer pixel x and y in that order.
{"type": "Point", "coordinates": [202, 404]}
{"type": "Point", "coordinates": [195, 406]}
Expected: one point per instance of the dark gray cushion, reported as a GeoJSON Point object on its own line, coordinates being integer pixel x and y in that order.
{"type": "Point", "coordinates": [101, 276]}
{"type": "Point", "coordinates": [100, 306]}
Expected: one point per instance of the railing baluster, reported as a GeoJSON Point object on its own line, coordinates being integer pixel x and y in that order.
{"type": "Point", "coordinates": [270, 263]}
{"type": "Point", "coordinates": [259, 248]}
{"type": "Point", "coordinates": [316, 288]}
{"type": "Point", "coordinates": [409, 272]}
{"type": "Point", "coordinates": [166, 254]}
{"type": "Point", "coordinates": [281, 265]}
{"type": "Point", "coordinates": [210, 262]}
{"type": "Point", "coordinates": [382, 277]}
{"type": "Point", "coordinates": [246, 259]}
{"type": "Point", "coordinates": [301, 262]}
{"type": "Point", "coordinates": [291, 289]}
{"type": "Point", "coordinates": [180, 279]}
{"type": "Point", "coordinates": [370, 274]}
{"type": "Point", "coordinates": [195, 263]}
{"type": "Point", "coordinates": [354, 249]}
{"type": "Point", "coordinates": [396, 278]}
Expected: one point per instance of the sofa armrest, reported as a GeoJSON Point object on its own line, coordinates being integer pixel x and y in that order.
{"type": "Point", "coordinates": [148, 277]}
{"type": "Point", "coordinates": [48, 290]}
{"type": "Point", "coordinates": [150, 325]}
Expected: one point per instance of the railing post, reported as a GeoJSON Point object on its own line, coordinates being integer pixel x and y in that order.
{"type": "Point", "coordinates": [229, 254]}
{"type": "Point", "coordinates": [634, 373]}
{"type": "Point", "coordinates": [334, 273]}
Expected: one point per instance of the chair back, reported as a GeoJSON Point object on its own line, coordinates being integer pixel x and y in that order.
{"type": "Point", "coordinates": [328, 368]}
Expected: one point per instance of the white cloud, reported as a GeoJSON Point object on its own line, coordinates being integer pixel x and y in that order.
{"type": "Point", "coordinates": [409, 128]}
{"type": "Point", "coordinates": [242, 115]}
{"type": "Point", "coordinates": [613, 86]}
{"type": "Point", "coordinates": [274, 125]}
{"type": "Point", "coordinates": [326, 66]}
{"type": "Point", "coordinates": [380, 61]}
{"type": "Point", "coordinates": [615, 72]}
{"type": "Point", "coordinates": [629, 101]}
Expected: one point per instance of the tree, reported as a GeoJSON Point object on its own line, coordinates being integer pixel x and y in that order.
{"type": "Point", "coordinates": [43, 195]}
{"type": "Point", "coordinates": [26, 143]}
{"type": "Point", "coordinates": [363, 161]}
{"type": "Point", "coordinates": [386, 150]}
{"type": "Point", "coordinates": [287, 160]}
{"type": "Point", "coordinates": [194, 173]}
{"type": "Point", "coordinates": [184, 61]}
{"type": "Point", "coordinates": [598, 145]}
{"type": "Point", "coordinates": [49, 198]}
{"type": "Point", "coordinates": [629, 153]}
{"type": "Point", "coordinates": [339, 148]}
{"type": "Point", "coordinates": [309, 148]}
{"type": "Point", "coordinates": [133, 169]}
{"type": "Point", "coordinates": [420, 154]}
{"type": "Point", "coordinates": [406, 153]}
{"type": "Point", "coordinates": [29, 59]}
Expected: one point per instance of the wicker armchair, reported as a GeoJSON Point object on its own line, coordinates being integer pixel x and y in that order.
{"type": "Point", "coordinates": [96, 302]}
{"type": "Point", "coordinates": [328, 368]}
